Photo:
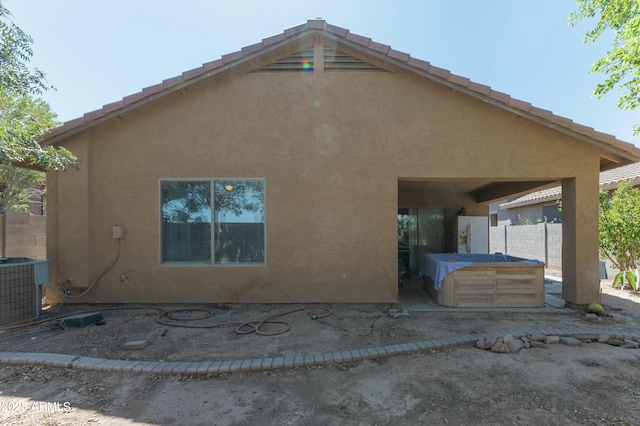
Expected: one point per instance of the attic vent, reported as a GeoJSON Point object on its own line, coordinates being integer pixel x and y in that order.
{"type": "Point", "coordinates": [334, 60]}
{"type": "Point", "coordinates": [299, 61]}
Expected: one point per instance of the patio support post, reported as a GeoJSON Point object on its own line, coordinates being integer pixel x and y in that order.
{"type": "Point", "coordinates": [580, 273]}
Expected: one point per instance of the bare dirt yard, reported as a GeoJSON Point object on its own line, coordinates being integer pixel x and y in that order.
{"type": "Point", "coordinates": [593, 383]}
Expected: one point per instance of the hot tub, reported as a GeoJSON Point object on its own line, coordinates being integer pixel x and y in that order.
{"type": "Point", "coordinates": [483, 280]}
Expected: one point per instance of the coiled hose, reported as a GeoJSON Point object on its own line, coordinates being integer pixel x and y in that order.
{"type": "Point", "coordinates": [164, 317]}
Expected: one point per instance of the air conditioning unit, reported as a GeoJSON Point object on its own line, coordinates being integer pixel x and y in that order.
{"type": "Point", "coordinates": [21, 281]}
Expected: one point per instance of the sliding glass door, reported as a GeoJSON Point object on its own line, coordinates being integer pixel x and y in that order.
{"type": "Point", "coordinates": [420, 231]}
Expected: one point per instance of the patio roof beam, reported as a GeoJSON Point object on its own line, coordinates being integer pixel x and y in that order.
{"type": "Point", "coordinates": [501, 190]}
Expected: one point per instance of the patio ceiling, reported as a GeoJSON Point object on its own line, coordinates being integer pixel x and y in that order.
{"type": "Point", "coordinates": [481, 190]}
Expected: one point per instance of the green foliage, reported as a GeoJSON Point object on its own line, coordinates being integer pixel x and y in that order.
{"type": "Point", "coordinates": [17, 185]}
{"type": "Point", "coordinates": [627, 277]}
{"type": "Point", "coordinates": [621, 64]}
{"type": "Point", "coordinates": [523, 221]}
{"type": "Point", "coordinates": [15, 51]}
{"type": "Point", "coordinates": [190, 202]}
{"type": "Point", "coordinates": [619, 228]}
{"type": "Point", "coordinates": [22, 117]}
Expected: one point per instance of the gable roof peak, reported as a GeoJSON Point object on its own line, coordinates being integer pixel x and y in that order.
{"type": "Point", "coordinates": [624, 152]}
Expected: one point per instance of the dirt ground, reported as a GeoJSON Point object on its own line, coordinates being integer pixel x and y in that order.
{"type": "Point", "coordinates": [560, 385]}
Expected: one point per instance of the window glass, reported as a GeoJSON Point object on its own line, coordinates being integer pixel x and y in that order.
{"type": "Point", "coordinates": [186, 221]}
{"type": "Point", "coordinates": [236, 212]}
{"type": "Point", "coordinates": [239, 221]}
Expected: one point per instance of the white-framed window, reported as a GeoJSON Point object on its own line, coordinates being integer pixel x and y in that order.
{"type": "Point", "coordinates": [213, 221]}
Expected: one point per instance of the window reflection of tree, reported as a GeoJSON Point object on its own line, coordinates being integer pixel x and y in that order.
{"type": "Point", "coordinates": [239, 221]}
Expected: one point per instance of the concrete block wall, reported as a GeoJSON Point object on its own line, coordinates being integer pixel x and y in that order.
{"type": "Point", "coordinates": [497, 239]}
{"type": "Point", "coordinates": [554, 246]}
{"type": "Point", "coordinates": [23, 235]}
{"type": "Point", "coordinates": [527, 241]}
{"type": "Point", "coordinates": [541, 242]}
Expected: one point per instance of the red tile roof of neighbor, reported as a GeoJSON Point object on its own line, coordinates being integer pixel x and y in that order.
{"type": "Point", "coordinates": [403, 60]}
{"type": "Point", "coordinates": [608, 180]}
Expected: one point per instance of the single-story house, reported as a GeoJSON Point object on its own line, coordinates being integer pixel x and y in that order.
{"type": "Point", "coordinates": [544, 206]}
{"type": "Point", "coordinates": [276, 174]}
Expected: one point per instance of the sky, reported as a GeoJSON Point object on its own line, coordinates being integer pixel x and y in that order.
{"type": "Point", "coordinates": [95, 53]}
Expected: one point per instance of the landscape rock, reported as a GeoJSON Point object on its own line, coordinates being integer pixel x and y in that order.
{"type": "Point", "coordinates": [136, 344]}
{"type": "Point", "coordinates": [499, 347]}
{"type": "Point", "coordinates": [537, 337]}
{"type": "Point", "coordinates": [592, 317]}
{"type": "Point", "coordinates": [571, 341]}
{"type": "Point", "coordinates": [551, 339]}
{"type": "Point", "coordinates": [486, 343]}
{"type": "Point", "coordinates": [512, 344]}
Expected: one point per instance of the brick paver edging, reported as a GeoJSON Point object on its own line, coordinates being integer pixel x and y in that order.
{"type": "Point", "coordinates": [275, 363]}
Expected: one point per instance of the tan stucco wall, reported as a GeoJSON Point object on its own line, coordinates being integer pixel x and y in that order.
{"type": "Point", "coordinates": [331, 148]}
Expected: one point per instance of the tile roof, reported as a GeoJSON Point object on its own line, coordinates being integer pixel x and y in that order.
{"type": "Point", "coordinates": [609, 143]}
{"type": "Point", "coordinates": [608, 180]}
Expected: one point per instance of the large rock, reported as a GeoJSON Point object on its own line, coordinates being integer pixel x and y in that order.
{"type": "Point", "coordinates": [512, 344]}
{"type": "Point", "coordinates": [486, 343]}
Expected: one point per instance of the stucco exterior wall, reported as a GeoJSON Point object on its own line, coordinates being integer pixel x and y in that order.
{"type": "Point", "coordinates": [331, 148]}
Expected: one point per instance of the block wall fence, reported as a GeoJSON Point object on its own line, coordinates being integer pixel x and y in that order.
{"type": "Point", "coordinates": [23, 235]}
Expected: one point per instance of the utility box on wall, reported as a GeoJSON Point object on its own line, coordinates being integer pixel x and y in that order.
{"type": "Point", "coordinates": [21, 281]}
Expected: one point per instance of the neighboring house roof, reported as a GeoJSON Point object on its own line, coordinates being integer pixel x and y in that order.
{"type": "Point", "coordinates": [612, 151]}
{"type": "Point", "coordinates": [608, 180]}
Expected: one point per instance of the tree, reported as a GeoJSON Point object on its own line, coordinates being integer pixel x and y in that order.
{"type": "Point", "coordinates": [621, 64]}
{"type": "Point", "coordinates": [22, 117]}
{"type": "Point", "coordinates": [15, 52]}
{"type": "Point", "coordinates": [18, 187]}
{"type": "Point", "coordinates": [619, 228]}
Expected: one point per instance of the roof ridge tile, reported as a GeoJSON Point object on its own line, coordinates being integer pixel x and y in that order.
{"type": "Point", "coordinates": [208, 66]}
{"type": "Point", "coordinates": [418, 63]}
{"type": "Point", "coordinates": [172, 81]}
{"type": "Point", "coordinates": [274, 39]}
{"type": "Point", "coordinates": [562, 121]}
{"type": "Point", "coordinates": [133, 98]}
{"type": "Point", "coordinates": [152, 89]}
{"type": "Point", "coordinates": [499, 96]}
{"type": "Point", "coordinates": [339, 31]}
{"type": "Point", "coordinates": [480, 88]}
{"type": "Point", "coordinates": [295, 30]}
{"type": "Point", "coordinates": [521, 105]}
{"type": "Point", "coordinates": [362, 40]}
{"type": "Point", "coordinates": [459, 80]}
{"type": "Point", "coordinates": [231, 57]}
{"type": "Point", "coordinates": [440, 72]}
{"type": "Point", "coordinates": [252, 48]}
{"type": "Point", "coordinates": [316, 24]}
{"type": "Point", "coordinates": [188, 75]}
{"type": "Point", "coordinates": [113, 106]}
{"type": "Point", "coordinates": [379, 47]}
{"type": "Point", "coordinates": [398, 55]}
{"type": "Point", "coordinates": [583, 130]}
{"type": "Point", "coordinates": [542, 113]}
